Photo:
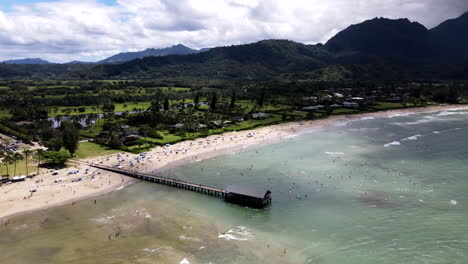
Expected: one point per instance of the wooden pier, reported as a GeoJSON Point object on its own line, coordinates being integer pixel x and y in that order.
{"type": "Point", "coordinates": [242, 195]}
{"type": "Point", "coordinates": [163, 180]}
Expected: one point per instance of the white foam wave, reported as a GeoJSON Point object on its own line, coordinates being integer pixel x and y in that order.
{"type": "Point", "coordinates": [415, 137]}
{"type": "Point", "coordinates": [334, 153]}
{"type": "Point", "coordinates": [394, 143]}
{"type": "Point", "coordinates": [367, 118]}
{"type": "Point", "coordinates": [239, 233]}
{"type": "Point", "coordinates": [184, 237]}
{"type": "Point", "coordinates": [448, 113]}
{"type": "Point", "coordinates": [104, 220]}
{"type": "Point", "coordinates": [185, 261]}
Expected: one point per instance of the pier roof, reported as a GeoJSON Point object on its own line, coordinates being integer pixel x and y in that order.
{"type": "Point", "coordinates": [247, 191]}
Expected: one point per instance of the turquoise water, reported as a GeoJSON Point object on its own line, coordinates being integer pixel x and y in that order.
{"type": "Point", "coordinates": [385, 190]}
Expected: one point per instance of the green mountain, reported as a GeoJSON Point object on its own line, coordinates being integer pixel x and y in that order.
{"type": "Point", "coordinates": [27, 61]}
{"type": "Point", "coordinates": [451, 39]}
{"type": "Point", "coordinates": [383, 49]}
{"type": "Point", "coordinates": [257, 60]}
{"type": "Point", "coordinates": [128, 56]}
{"type": "Point", "coordinates": [403, 41]}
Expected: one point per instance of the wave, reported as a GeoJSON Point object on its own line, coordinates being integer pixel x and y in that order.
{"type": "Point", "coordinates": [448, 113]}
{"type": "Point", "coordinates": [185, 261]}
{"type": "Point", "coordinates": [415, 137]}
{"type": "Point", "coordinates": [367, 118]}
{"type": "Point", "coordinates": [334, 153]}
{"type": "Point", "coordinates": [104, 220]}
{"type": "Point", "coordinates": [394, 143]}
{"type": "Point", "coordinates": [239, 233]}
{"type": "Point", "coordinates": [184, 237]}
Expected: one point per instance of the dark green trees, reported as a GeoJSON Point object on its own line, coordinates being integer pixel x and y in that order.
{"type": "Point", "coordinates": [214, 102]}
{"type": "Point", "coordinates": [70, 137]}
{"type": "Point", "coordinates": [166, 105]}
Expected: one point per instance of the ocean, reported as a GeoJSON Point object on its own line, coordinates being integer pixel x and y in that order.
{"type": "Point", "coordinates": [375, 190]}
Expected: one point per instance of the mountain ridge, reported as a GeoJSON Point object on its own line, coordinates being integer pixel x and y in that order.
{"type": "Point", "coordinates": [377, 48]}
{"type": "Point", "coordinates": [27, 61]}
{"type": "Point", "coordinates": [178, 49]}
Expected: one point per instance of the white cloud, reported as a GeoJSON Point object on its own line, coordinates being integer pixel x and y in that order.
{"type": "Point", "coordinates": [88, 30]}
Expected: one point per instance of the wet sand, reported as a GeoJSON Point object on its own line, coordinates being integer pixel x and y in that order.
{"type": "Point", "coordinates": [17, 198]}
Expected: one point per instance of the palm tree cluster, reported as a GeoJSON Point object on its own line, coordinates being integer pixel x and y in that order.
{"type": "Point", "coordinates": [9, 158]}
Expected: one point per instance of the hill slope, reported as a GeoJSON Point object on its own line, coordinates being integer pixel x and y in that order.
{"type": "Point", "coordinates": [384, 38]}
{"type": "Point", "coordinates": [259, 59]}
{"type": "Point", "coordinates": [451, 39]}
{"type": "Point", "coordinates": [27, 61]}
{"type": "Point", "coordinates": [128, 56]}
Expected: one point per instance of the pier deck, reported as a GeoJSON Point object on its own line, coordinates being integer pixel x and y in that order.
{"type": "Point", "coordinates": [162, 180]}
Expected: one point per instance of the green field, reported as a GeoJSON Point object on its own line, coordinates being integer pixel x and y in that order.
{"type": "Point", "coordinates": [4, 113]}
{"type": "Point", "coordinates": [89, 149]}
{"type": "Point", "coordinates": [97, 110]}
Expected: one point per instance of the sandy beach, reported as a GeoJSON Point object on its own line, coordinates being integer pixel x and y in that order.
{"type": "Point", "coordinates": [47, 190]}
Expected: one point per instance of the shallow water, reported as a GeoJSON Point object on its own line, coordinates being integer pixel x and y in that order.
{"type": "Point", "coordinates": [384, 190]}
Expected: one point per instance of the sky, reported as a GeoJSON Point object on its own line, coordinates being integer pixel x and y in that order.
{"type": "Point", "coordinates": [90, 30]}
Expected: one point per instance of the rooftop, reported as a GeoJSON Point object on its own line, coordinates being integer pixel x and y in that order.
{"type": "Point", "coordinates": [246, 190]}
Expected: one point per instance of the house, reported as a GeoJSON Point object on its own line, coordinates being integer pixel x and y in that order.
{"type": "Point", "coordinates": [131, 140]}
{"type": "Point", "coordinates": [129, 132]}
{"type": "Point", "coordinates": [247, 196]}
{"type": "Point", "coordinates": [350, 104]}
{"type": "Point", "coordinates": [238, 119]}
{"type": "Point", "coordinates": [312, 99]}
{"type": "Point", "coordinates": [310, 108]}
{"type": "Point", "coordinates": [24, 123]}
{"type": "Point", "coordinates": [217, 123]}
{"type": "Point", "coordinates": [178, 125]}
{"type": "Point", "coordinates": [102, 135]}
{"type": "Point", "coordinates": [259, 115]}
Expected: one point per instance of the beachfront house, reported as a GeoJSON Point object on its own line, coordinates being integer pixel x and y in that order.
{"type": "Point", "coordinates": [259, 115]}
{"type": "Point", "coordinates": [310, 108]}
{"type": "Point", "coordinates": [216, 123]}
{"type": "Point", "coordinates": [247, 196]}
{"type": "Point", "coordinates": [237, 119]}
{"type": "Point", "coordinates": [131, 140]}
{"type": "Point", "coordinates": [350, 104]}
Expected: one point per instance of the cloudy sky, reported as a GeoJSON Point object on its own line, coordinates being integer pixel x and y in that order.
{"type": "Point", "coordinates": [88, 30]}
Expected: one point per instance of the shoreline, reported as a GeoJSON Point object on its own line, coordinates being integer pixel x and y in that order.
{"type": "Point", "coordinates": [17, 200]}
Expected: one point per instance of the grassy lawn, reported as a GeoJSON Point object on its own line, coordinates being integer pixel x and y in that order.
{"type": "Point", "coordinates": [345, 111]}
{"type": "Point", "coordinates": [251, 103]}
{"type": "Point", "coordinates": [172, 89]}
{"type": "Point", "coordinates": [168, 138]}
{"type": "Point", "coordinates": [4, 113]}
{"type": "Point", "coordinates": [387, 105]}
{"type": "Point", "coordinates": [89, 149]}
{"type": "Point", "coordinates": [20, 168]}
{"type": "Point", "coordinates": [97, 110]}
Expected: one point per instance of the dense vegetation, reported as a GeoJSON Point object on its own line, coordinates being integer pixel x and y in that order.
{"type": "Point", "coordinates": [164, 100]}
{"type": "Point", "coordinates": [378, 49]}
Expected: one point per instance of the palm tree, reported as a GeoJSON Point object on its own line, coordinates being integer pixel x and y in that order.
{"type": "Point", "coordinates": [16, 157]}
{"type": "Point", "coordinates": [7, 160]}
{"type": "Point", "coordinates": [2, 155]}
{"type": "Point", "coordinates": [26, 154]}
{"type": "Point", "coordinates": [39, 155]}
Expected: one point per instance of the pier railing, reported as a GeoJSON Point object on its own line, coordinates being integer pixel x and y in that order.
{"type": "Point", "coordinates": [162, 180]}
